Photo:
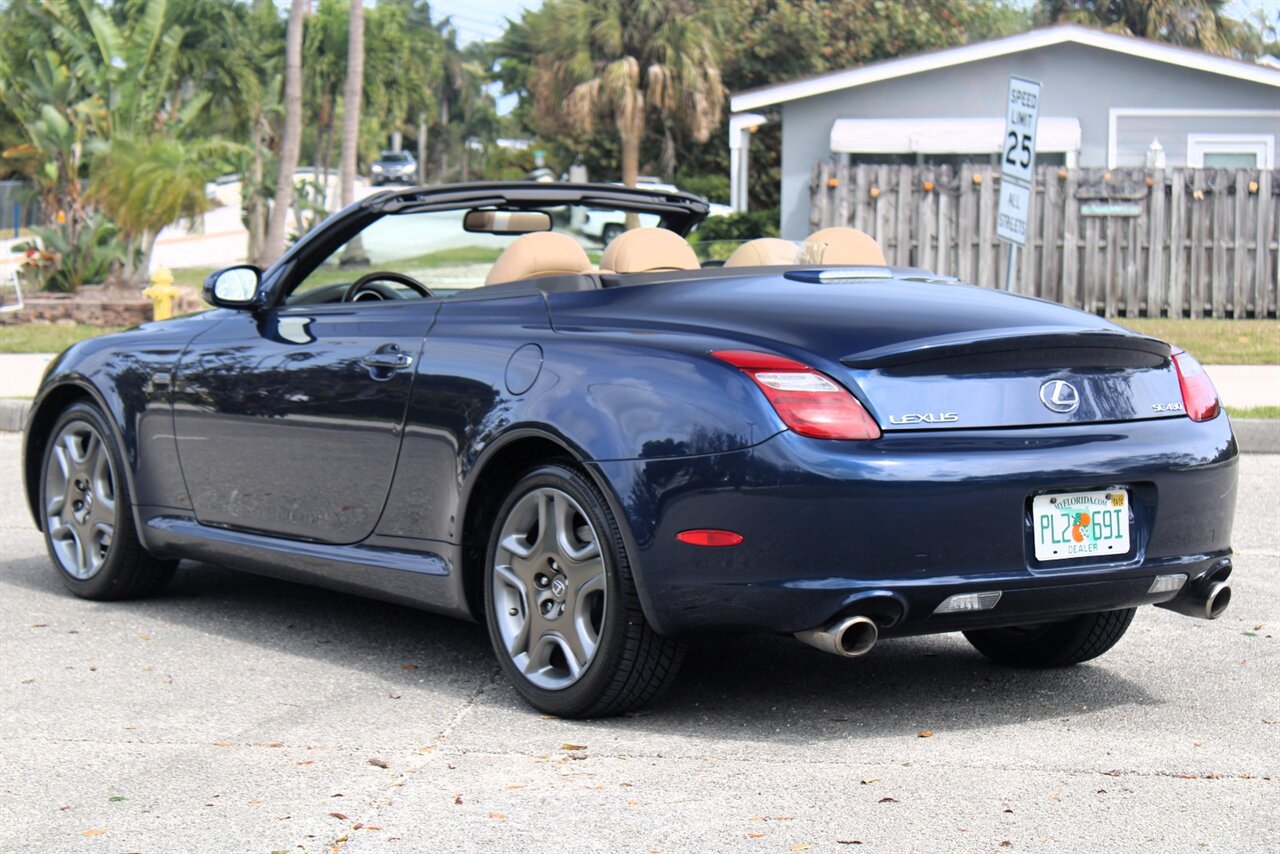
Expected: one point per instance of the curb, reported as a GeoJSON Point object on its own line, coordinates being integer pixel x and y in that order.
{"type": "Point", "coordinates": [1254, 435]}
{"type": "Point", "coordinates": [13, 414]}
{"type": "Point", "coordinates": [1257, 435]}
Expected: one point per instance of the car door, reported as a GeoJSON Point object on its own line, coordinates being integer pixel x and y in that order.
{"type": "Point", "coordinates": [288, 421]}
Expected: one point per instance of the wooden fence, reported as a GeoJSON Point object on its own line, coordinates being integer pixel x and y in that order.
{"type": "Point", "coordinates": [1120, 242]}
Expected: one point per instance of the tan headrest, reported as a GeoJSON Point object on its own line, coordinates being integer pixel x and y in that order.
{"type": "Point", "coordinates": [545, 253]}
{"type": "Point", "coordinates": [648, 250]}
{"type": "Point", "coordinates": [763, 252]}
{"type": "Point", "coordinates": [841, 245]}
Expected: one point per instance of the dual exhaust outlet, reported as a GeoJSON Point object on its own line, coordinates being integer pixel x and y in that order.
{"type": "Point", "coordinates": [852, 637]}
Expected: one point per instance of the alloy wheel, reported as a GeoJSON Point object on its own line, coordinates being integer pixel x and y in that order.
{"type": "Point", "coordinates": [549, 588]}
{"type": "Point", "coordinates": [80, 499]}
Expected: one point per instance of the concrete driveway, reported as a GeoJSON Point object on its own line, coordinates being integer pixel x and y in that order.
{"type": "Point", "coordinates": [239, 714]}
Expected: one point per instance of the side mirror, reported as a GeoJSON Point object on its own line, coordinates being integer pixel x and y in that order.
{"type": "Point", "coordinates": [233, 287]}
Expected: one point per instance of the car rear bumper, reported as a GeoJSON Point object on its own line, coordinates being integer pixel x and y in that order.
{"type": "Point", "coordinates": [897, 525]}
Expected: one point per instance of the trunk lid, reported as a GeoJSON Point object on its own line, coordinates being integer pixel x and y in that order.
{"type": "Point", "coordinates": [920, 354]}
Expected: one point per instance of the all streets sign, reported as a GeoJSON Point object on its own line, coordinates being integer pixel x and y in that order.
{"type": "Point", "coordinates": [1018, 161]}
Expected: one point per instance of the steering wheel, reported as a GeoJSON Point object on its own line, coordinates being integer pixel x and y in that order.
{"type": "Point", "coordinates": [370, 283]}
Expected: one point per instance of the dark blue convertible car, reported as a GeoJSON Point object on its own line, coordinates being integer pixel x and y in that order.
{"type": "Point", "coordinates": [455, 399]}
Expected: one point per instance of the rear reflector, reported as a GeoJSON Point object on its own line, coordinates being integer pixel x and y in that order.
{"type": "Point", "coordinates": [1168, 583]}
{"type": "Point", "coordinates": [808, 402]}
{"type": "Point", "coordinates": [709, 537]}
{"type": "Point", "coordinates": [964, 602]}
{"type": "Point", "coordinates": [1199, 397]}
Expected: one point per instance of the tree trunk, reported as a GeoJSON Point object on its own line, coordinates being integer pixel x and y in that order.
{"type": "Point", "coordinates": [351, 101]}
{"type": "Point", "coordinates": [422, 148]}
{"type": "Point", "coordinates": [291, 140]}
{"type": "Point", "coordinates": [444, 134]}
{"type": "Point", "coordinates": [631, 132]}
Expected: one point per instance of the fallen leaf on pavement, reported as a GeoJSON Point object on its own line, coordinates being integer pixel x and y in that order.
{"type": "Point", "coordinates": [339, 816]}
{"type": "Point", "coordinates": [306, 762]}
{"type": "Point", "coordinates": [457, 799]}
{"type": "Point", "coordinates": [97, 831]}
{"type": "Point", "coordinates": [925, 734]}
{"type": "Point", "coordinates": [497, 816]}
{"type": "Point", "coordinates": [372, 827]}
{"type": "Point", "coordinates": [867, 781]}
{"type": "Point", "coordinates": [1004, 843]}
{"type": "Point", "coordinates": [408, 666]}
{"type": "Point", "coordinates": [39, 625]}
{"type": "Point", "coordinates": [848, 841]}
{"type": "Point", "coordinates": [887, 801]}
{"type": "Point", "coordinates": [801, 846]}
{"type": "Point", "coordinates": [755, 835]}
{"type": "Point", "coordinates": [573, 747]}
{"type": "Point", "coordinates": [379, 763]}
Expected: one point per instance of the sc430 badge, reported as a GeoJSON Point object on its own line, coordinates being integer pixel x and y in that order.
{"type": "Point", "coordinates": [925, 418]}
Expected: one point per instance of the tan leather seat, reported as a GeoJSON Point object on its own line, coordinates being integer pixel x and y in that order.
{"type": "Point", "coordinates": [841, 245]}
{"type": "Point", "coordinates": [648, 250]}
{"type": "Point", "coordinates": [543, 253]}
{"type": "Point", "coordinates": [763, 252]}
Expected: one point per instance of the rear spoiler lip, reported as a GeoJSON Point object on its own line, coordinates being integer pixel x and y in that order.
{"type": "Point", "coordinates": [954, 345]}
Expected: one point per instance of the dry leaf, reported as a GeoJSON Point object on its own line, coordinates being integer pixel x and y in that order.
{"type": "Point", "coordinates": [145, 637]}
{"type": "Point", "coordinates": [925, 734]}
{"type": "Point", "coordinates": [631, 802]}
{"type": "Point", "coordinates": [408, 666]}
{"type": "Point", "coordinates": [306, 762]}
{"type": "Point", "coordinates": [1008, 810]}
{"type": "Point", "coordinates": [457, 799]}
{"type": "Point", "coordinates": [801, 846]}
{"type": "Point", "coordinates": [1004, 843]}
{"type": "Point", "coordinates": [222, 744]}
{"type": "Point", "coordinates": [339, 816]}
{"type": "Point", "coordinates": [497, 816]}
{"type": "Point", "coordinates": [755, 835]}
{"type": "Point", "coordinates": [97, 831]}
{"type": "Point", "coordinates": [573, 747]}
{"type": "Point", "coordinates": [515, 785]}
{"type": "Point", "coordinates": [848, 841]}
{"type": "Point", "coordinates": [867, 781]}
{"type": "Point", "coordinates": [379, 763]}
{"type": "Point", "coordinates": [887, 800]}
{"type": "Point", "coordinates": [372, 827]}
{"type": "Point", "coordinates": [39, 625]}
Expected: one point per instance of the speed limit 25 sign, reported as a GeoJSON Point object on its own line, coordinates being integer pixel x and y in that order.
{"type": "Point", "coordinates": [1018, 160]}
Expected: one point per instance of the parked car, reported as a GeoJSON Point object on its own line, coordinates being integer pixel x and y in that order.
{"type": "Point", "coordinates": [465, 415]}
{"type": "Point", "coordinates": [394, 167]}
{"type": "Point", "coordinates": [604, 224]}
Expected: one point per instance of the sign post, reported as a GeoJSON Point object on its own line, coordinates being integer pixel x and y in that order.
{"type": "Point", "coordinates": [1017, 168]}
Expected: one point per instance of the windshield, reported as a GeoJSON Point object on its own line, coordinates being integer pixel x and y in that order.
{"type": "Point", "coordinates": [396, 157]}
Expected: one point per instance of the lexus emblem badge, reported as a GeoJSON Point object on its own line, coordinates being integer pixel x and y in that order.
{"type": "Point", "coordinates": [1059, 396]}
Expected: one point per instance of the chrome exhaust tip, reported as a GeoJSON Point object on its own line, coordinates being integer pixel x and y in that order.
{"type": "Point", "coordinates": [1206, 601]}
{"type": "Point", "coordinates": [849, 637]}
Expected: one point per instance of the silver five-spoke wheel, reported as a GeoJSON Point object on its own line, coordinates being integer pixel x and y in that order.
{"type": "Point", "coordinates": [80, 499]}
{"type": "Point", "coordinates": [549, 588]}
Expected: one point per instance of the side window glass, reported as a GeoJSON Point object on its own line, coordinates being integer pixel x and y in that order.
{"type": "Point", "coordinates": [431, 248]}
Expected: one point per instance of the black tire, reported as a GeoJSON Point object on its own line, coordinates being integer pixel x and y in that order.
{"type": "Point", "coordinates": [631, 664]}
{"type": "Point", "coordinates": [610, 232]}
{"type": "Point", "coordinates": [1054, 644]}
{"type": "Point", "coordinates": [122, 568]}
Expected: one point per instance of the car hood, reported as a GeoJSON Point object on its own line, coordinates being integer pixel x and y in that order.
{"type": "Point", "coordinates": [921, 353]}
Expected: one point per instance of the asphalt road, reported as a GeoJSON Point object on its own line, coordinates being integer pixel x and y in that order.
{"type": "Point", "coordinates": [239, 714]}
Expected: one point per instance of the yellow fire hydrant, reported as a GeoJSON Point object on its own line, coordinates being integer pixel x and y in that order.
{"type": "Point", "coordinates": [161, 293]}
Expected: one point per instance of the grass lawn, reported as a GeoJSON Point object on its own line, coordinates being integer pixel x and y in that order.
{"type": "Point", "coordinates": [1216, 342]}
{"type": "Point", "coordinates": [1270, 412]}
{"type": "Point", "coordinates": [47, 337]}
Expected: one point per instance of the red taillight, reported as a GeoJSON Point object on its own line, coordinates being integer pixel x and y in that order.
{"type": "Point", "coordinates": [710, 537]}
{"type": "Point", "coordinates": [809, 402]}
{"type": "Point", "coordinates": [1199, 397]}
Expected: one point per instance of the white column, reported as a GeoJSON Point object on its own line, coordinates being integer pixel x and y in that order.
{"type": "Point", "coordinates": [740, 127]}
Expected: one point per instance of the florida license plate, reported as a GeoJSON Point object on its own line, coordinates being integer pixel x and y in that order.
{"type": "Point", "coordinates": [1080, 524]}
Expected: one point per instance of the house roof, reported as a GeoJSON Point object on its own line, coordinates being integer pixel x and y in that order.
{"type": "Point", "coordinates": [890, 69]}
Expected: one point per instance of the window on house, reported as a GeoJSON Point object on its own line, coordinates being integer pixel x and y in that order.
{"type": "Point", "coordinates": [1230, 151]}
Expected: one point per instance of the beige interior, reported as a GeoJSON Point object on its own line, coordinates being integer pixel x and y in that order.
{"type": "Point", "coordinates": [648, 250]}
{"type": "Point", "coordinates": [841, 245]}
{"type": "Point", "coordinates": [763, 252]}
{"type": "Point", "coordinates": [545, 253]}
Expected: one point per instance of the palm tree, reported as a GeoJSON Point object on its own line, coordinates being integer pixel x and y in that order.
{"type": "Point", "coordinates": [1191, 23]}
{"type": "Point", "coordinates": [144, 185]}
{"type": "Point", "coordinates": [625, 59]}
{"type": "Point", "coordinates": [291, 138]}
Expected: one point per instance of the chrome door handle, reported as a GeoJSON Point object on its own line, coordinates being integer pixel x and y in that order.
{"type": "Point", "coordinates": [388, 361]}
